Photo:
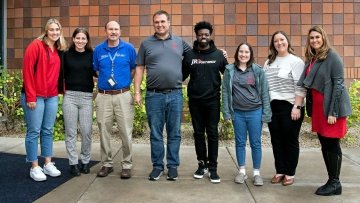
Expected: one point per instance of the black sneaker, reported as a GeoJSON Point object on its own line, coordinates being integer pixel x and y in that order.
{"type": "Point", "coordinates": [214, 177]}
{"type": "Point", "coordinates": [201, 171]}
{"type": "Point", "coordinates": [74, 170]}
{"type": "Point", "coordinates": [155, 174]}
{"type": "Point", "coordinates": [172, 174]}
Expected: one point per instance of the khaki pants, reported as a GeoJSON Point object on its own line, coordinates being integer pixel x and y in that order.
{"type": "Point", "coordinates": [120, 105]}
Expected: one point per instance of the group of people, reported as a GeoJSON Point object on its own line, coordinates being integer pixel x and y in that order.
{"type": "Point", "coordinates": [251, 95]}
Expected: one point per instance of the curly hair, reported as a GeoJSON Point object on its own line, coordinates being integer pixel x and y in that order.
{"type": "Point", "coordinates": [203, 25]}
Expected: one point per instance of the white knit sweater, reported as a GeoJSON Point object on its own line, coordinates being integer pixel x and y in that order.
{"type": "Point", "coordinates": [283, 74]}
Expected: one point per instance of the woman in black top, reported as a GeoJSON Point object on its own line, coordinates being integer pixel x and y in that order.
{"type": "Point", "coordinates": [78, 99]}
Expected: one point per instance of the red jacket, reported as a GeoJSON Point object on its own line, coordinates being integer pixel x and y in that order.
{"type": "Point", "coordinates": [45, 79]}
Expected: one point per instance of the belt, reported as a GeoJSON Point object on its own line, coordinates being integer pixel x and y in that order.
{"type": "Point", "coordinates": [164, 91]}
{"type": "Point", "coordinates": [113, 92]}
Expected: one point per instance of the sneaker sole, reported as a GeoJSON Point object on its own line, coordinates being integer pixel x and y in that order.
{"type": "Point", "coordinates": [156, 178]}
{"type": "Point", "coordinates": [46, 173]}
{"type": "Point", "coordinates": [200, 176]}
{"type": "Point", "coordinates": [215, 181]}
{"type": "Point", "coordinates": [38, 179]}
{"type": "Point", "coordinates": [258, 184]}
{"type": "Point", "coordinates": [170, 178]}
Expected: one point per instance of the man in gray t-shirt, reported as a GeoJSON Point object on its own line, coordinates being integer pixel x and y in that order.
{"type": "Point", "coordinates": [161, 54]}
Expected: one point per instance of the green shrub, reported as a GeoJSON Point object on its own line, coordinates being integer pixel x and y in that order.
{"type": "Point", "coordinates": [354, 92]}
{"type": "Point", "coordinates": [59, 128]}
{"type": "Point", "coordinates": [10, 93]}
{"type": "Point", "coordinates": [353, 119]}
{"type": "Point", "coordinates": [226, 130]}
{"type": "Point", "coordinates": [140, 119]}
{"type": "Point", "coordinates": [186, 117]}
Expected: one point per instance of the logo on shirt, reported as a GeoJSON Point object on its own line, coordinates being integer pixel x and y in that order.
{"type": "Point", "coordinates": [103, 56]}
{"type": "Point", "coordinates": [115, 56]}
{"type": "Point", "coordinates": [199, 61]}
{"type": "Point", "coordinates": [250, 79]}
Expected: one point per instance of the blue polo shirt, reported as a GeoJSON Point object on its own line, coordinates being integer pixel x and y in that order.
{"type": "Point", "coordinates": [124, 56]}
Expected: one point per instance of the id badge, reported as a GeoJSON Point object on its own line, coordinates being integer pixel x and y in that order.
{"type": "Point", "coordinates": [112, 81]}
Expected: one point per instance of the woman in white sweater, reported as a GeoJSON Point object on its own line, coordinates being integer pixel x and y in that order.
{"type": "Point", "coordinates": [283, 70]}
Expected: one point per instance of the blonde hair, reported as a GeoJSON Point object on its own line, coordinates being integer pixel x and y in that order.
{"type": "Point", "coordinates": [61, 44]}
{"type": "Point", "coordinates": [323, 50]}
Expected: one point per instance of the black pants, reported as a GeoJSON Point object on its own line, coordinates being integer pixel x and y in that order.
{"type": "Point", "coordinates": [284, 134]}
{"type": "Point", "coordinates": [330, 144]}
{"type": "Point", "coordinates": [205, 116]}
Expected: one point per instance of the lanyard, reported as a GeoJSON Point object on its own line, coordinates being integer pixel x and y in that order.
{"type": "Point", "coordinates": [112, 59]}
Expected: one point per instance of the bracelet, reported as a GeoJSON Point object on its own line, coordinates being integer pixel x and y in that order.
{"type": "Point", "coordinates": [137, 92]}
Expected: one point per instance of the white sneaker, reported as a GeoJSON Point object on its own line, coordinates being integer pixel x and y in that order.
{"type": "Point", "coordinates": [51, 170]}
{"type": "Point", "coordinates": [37, 174]}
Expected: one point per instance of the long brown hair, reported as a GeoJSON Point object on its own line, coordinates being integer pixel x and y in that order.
{"type": "Point", "coordinates": [86, 33]}
{"type": "Point", "coordinates": [323, 50]}
{"type": "Point", "coordinates": [236, 57]}
{"type": "Point", "coordinates": [61, 44]}
{"type": "Point", "coordinates": [273, 52]}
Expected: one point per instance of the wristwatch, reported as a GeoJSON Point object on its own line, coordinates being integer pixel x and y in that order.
{"type": "Point", "coordinates": [297, 107]}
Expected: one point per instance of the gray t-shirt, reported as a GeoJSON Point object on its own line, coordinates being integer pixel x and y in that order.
{"type": "Point", "coordinates": [245, 95]}
{"type": "Point", "coordinates": [163, 61]}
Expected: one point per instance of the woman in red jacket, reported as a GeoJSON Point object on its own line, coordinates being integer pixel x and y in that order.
{"type": "Point", "coordinates": [43, 81]}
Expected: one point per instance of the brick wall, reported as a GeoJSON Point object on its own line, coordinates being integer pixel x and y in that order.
{"type": "Point", "coordinates": [234, 21]}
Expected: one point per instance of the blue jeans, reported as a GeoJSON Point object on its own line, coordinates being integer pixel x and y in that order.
{"type": "Point", "coordinates": [248, 122]}
{"type": "Point", "coordinates": [161, 109]}
{"type": "Point", "coordinates": [39, 123]}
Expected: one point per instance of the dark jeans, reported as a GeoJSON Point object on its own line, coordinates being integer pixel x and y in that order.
{"type": "Point", "coordinates": [205, 116]}
{"type": "Point", "coordinates": [285, 137]}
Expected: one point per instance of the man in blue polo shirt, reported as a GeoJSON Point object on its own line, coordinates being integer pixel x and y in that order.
{"type": "Point", "coordinates": [162, 54]}
{"type": "Point", "coordinates": [114, 61]}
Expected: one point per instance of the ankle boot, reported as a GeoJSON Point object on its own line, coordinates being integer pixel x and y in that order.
{"type": "Point", "coordinates": [74, 170]}
{"type": "Point", "coordinates": [333, 185]}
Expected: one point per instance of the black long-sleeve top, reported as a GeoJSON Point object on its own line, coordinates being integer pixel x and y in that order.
{"type": "Point", "coordinates": [78, 71]}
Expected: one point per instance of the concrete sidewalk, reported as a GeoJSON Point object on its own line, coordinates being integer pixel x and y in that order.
{"type": "Point", "coordinates": [311, 174]}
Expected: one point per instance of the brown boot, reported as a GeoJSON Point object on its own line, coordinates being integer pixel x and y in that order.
{"type": "Point", "coordinates": [125, 174]}
{"type": "Point", "coordinates": [105, 171]}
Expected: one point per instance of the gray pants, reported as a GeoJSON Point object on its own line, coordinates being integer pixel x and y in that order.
{"type": "Point", "coordinates": [78, 109]}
